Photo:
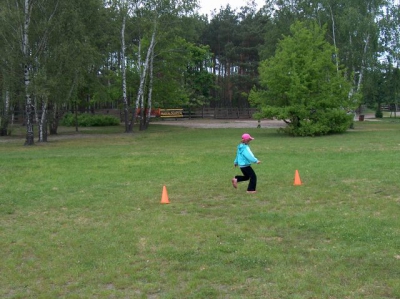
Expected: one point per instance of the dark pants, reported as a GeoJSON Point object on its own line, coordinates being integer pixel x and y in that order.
{"type": "Point", "coordinates": [248, 174]}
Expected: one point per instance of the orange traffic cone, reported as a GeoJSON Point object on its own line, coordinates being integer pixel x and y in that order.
{"type": "Point", "coordinates": [297, 181]}
{"type": "Point", "coordinates": [164, 197]}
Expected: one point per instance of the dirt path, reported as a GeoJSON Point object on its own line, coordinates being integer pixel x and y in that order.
{"type": "Point", "coordinates": [189, 123]}
{"type": "Point", "coordinates": [192, 123]}
{"type": "Point", "coordinates": [230, 123]}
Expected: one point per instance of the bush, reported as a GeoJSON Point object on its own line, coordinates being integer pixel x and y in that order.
{"type": "Point", "coordinates": [330, 121]}
{"type": "Point", "coordinates": [379, 114]}
{"type": "Point", "coordinates": [89, 120]}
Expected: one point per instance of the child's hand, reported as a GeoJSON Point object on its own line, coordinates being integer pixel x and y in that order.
{"type": "Point", "coordinates": [258, 162]}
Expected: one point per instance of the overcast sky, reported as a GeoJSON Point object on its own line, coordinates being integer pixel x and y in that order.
{"type": "Point", "coordinates": [209, 5]}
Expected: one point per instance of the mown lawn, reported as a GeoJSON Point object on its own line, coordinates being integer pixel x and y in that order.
{"type": "Point", "coordinates": [80, 216]}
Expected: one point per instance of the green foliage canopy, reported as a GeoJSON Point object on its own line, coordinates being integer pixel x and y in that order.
{"type": "Point", "coordinates": [89, 120]}
{"type": "Point", "coordinates": [302, 85]}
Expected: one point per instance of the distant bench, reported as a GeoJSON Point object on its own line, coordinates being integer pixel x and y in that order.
{"type": "Point", "coordinates": [217, 113]}
{"type": "Point", "coordinates": [171, 113]}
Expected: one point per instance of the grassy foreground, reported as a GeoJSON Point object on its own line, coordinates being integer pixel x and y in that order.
{"type": "Point", "coordinates": [81, 217]}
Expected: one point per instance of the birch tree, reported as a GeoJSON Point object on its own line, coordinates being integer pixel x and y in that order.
{"type": "Point", "coordinates": [6, 66]}
{"type": "Point", "coordinates": [354, 29]}
{"type": "Point", "coordinates": [26, 58]}
{"type": "Point", "coordinates": [356, 33]}
{"type": "Point", "coordinates": [26, 35]}
{"type": "Point", "coordinates": [125, 9]}
{"type": "Point", "coordinates": [145, 13]}
{"type": "Point", "coordinates": [155, 18]}
{"type": "Point", "coordinates": [5, 112]}
{"type": "Point", "coordinates": [140, 99]}
{"type": "Point", "coordinates": [390, 32]}
{"type": "Point", "coordinates": [30, 54]}
{"type": "Point", "coordinates": [8, 92]}
{"type": "Point", "coordinates": [44, 16]}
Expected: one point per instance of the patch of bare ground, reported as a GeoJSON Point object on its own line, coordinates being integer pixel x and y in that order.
{"type": "Point", "coordinates": [184, 122]}
{"type": "Point", "coordinates": [231, 123]}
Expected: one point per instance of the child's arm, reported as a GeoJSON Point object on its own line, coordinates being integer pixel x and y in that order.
{"type": "Point", "coordinates": [250, 156]}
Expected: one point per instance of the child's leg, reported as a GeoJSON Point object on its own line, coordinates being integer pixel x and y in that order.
{"type": "Point", "coordinates": [249, 172]}
{"type": "Point", "coordinates": [244, 177]}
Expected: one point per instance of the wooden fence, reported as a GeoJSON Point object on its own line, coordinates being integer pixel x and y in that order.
{"type": "Point", "coordinates": [215, 113]}
{"type": "Point", "coordinates": [220, 113]}
{"type": "Point", "coordinates": [391, 107]}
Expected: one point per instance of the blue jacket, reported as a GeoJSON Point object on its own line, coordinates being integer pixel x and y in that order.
{"type": "Point", "coordinates": [244, 156]}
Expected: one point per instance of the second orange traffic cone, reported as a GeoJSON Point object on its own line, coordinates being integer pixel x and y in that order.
{"type": "Point", "coordinates": [297, 181]}
{"type": "Point", "coordinates": [164, 196]}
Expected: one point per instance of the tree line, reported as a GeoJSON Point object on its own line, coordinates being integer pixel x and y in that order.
{"type": "Point", "coordinates": [135, 55]}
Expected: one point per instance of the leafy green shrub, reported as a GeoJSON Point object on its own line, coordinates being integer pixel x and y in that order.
{"type": "Point", "coordinates": [312, 97]}
{"type": "Point", "coordinates": [89, 120]}
{"type": "Point", "coordinates": [329, 121]}
{"type": "Point", "coordinates": [379, 114]}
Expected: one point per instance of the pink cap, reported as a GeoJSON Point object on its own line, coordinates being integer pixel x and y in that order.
{"type": "Point", "coordinates": [247, 137]}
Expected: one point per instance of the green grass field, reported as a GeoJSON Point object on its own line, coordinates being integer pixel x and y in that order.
{"type": "Point", "coordinates": [80, 216]}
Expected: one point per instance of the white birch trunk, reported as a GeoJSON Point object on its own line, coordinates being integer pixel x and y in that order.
{"type": "Point", "coordinates": [149, 97]}
{"type": "Point", "coordinates": [143, 75]}
{"type": "Point", "coordinates": [7, 103]}
{"type": "Point", "coordinates": [28, 100]}
{"type": "Point", "coordinates": [334, 39]}
{"type": "Point", "coordinates": [5, 118]}
{"type": "Point", "coordinates": [139, 67]}
{"type": "Point", "coordinates": [147, 67]}
{"type": "Point", "coordinates": [35, 109]}
{"type": "Point", "coordinates": [143, 71]}
{"type": "Point", "coordinates": [123, 69]}
{"type": "Point", "coordinates": [360, 78]}
{"type": "Point", "coordinates": [362, 68]}
{"type": "Point", "coordinates": [42, 127]}
{"type": "Point", "coordinates": [142, 111]}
